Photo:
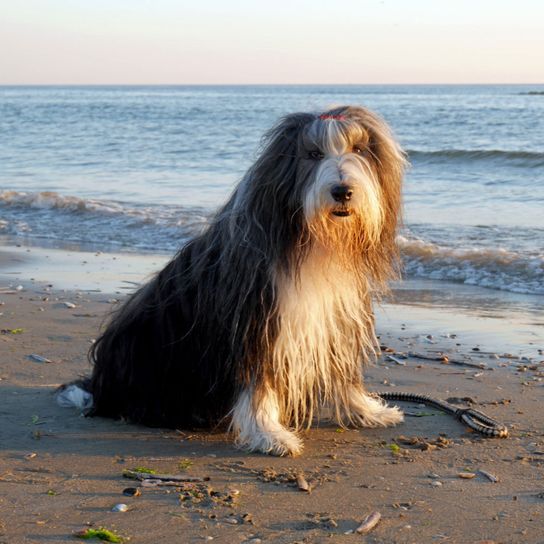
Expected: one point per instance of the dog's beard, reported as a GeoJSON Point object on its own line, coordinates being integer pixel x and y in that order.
{"type": "Point", "coordinates": [345, 228]}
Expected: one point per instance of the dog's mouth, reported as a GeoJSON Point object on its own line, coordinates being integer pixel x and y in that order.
{"type": "Point", "coordinates": [342, 212]}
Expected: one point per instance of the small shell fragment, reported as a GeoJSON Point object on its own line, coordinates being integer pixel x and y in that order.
{"type": "Point", "coordinates": [466, 475]}
{"type": "Point", "coordinates": [396, 360]}
{"type": "Point", "coordinates": [132, 492]}
{"type": "Point", "coordinates": [302, 484]}
{"type": "Point", "coordinates": [369, 523]}
{"type": "Point", "coordinates": [120, 507]}
{"type": "Point", "coordinates": [38, 358]}
{"type": "Point", "coordinates": [69, 304]}
{"type": "Point", "coordinates": [489, 476]}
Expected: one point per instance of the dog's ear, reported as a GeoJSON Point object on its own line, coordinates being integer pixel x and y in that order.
{"type": "Point", "coordinates": [279, 149]}
{"type": "Point", "coordinates": [271, 190]}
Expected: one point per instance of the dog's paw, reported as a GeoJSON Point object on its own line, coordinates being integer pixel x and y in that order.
{"type": "Point", "coordinates": [280, 443]}
{"type": "Point", "coordinates": [367, 411]}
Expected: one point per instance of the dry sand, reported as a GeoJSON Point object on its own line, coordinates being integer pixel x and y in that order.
{"type": "Point", "coordinates": [61, 473]}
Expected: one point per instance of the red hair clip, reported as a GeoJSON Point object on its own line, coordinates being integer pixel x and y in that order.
{"type": "Point", "coordinates": [335, 117]}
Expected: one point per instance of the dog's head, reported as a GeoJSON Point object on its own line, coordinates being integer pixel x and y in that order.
{"type": "Point", "coordinates": [337, 175]}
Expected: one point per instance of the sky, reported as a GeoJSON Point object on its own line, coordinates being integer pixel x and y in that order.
{"type": "Point", "coordinates": [271, 42]}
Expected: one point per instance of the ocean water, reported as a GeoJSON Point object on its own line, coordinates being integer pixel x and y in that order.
{"type": "Point", "coordinates": [140, 169]}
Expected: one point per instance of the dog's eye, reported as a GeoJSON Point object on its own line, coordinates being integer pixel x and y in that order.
{"type": "Point", "coordinates": [315, 155]}
{"type": "Point", "coordinates": [358, 150]}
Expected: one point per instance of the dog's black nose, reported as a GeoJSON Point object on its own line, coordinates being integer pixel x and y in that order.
{"type": "Point", "coordinates": [341, 193]}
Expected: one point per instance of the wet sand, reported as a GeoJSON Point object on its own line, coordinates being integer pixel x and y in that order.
{"type": "Point", "coordinates": [61, 473]}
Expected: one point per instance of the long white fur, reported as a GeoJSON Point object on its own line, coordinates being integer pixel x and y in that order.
{"type": "Point", "coordinates": [326, 331]}
{"type": "Point", "coordinates": [257, 425]}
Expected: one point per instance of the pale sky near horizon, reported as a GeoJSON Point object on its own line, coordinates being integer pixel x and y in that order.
{"type": "Point", "coordinates": [284, 41]}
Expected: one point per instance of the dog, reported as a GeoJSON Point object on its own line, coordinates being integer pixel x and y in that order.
{"type": "Point", "coordinates": [264, 320]}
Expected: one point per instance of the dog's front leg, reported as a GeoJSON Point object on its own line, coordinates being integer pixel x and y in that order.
{"type": "Point", "coordinates": [256, 422]}
{"type": "Point", "coordinates": [368, 411]}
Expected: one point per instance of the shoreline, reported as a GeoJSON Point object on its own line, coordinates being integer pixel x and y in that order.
{"type": "Point", "coordinates": [61, 473]}
{"type": "Point", "coordinates": [492, 320]}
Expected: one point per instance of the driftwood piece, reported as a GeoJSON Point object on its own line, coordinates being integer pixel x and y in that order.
{"type": "Point", "coordinates": [134, 475]}
{"type": "Point", "coordinates": [446, 360]}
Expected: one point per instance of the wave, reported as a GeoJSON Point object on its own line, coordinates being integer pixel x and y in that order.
{"type": "Point", "coordinates": [132, 227]}
{"type": "Point", "coordinates": [487, 267]}
{"type": "Point", "coordinates": [109, 225]}
{"type": "Point", "coordinates": [531, 159]}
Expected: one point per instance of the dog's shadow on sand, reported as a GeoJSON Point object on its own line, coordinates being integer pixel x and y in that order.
{"type": "Point", "coordinates": [32, 421]}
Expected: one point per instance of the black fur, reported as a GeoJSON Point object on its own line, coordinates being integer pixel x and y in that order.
{"type": "Point", "coordinates": [178, 350]}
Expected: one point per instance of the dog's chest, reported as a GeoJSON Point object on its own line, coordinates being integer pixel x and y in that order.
{"type": "Point", "coordinates": [320, 313]}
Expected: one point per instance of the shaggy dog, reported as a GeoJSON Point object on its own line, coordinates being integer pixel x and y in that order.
{"type": "Point", "coordinates": [265, 319]}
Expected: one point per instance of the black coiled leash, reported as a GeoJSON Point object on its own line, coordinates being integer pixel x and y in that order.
{"type": "Point", "coordinates": [475, 419]}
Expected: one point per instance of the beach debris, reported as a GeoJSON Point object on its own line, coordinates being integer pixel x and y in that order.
{"type": "Point", "coordinates": [203, 495]}
{"type": "Point", "coordinates": [395, 360]}
{"type": "Point", "coordinates": [12, 331]}
{"type": "Point", "coordinates": [38, 358]}
{"type": "Point", "coordinates": [185, 464]}
{"type": "Point", "coordinates": [446, 359]}
{"type": "Point", "coordinates": [466, 475]}
{"type": "Point", "coordinates": [369, 523]}
{"type": "Point", "coordinates": [461, 400]}
{"type": "Point", "coordinates": [70, 305]}
{"type": "Point", "coordinates": [11, 290]}
{"type": "Point", "coordinates": [133, 473]}
{"type": "Point", "coordinates": [29, 456]}
{"type": "Point", "coordinates": [436, 483]}
{"type": "Point", "coordinates": [322, 520]}
{"type": "Point", "coordinates": [102, 534]}
{"type": "Point", "coordinates": [120, 507]}
{"type": "Point", "coordinates": [302, 484]}
{"type": "Point", "coordinates": [152, 478]}
{"type": "Point", "coordinates": [489, 476]}
{"type": "Point", "coordinates": [131, 492]}
{"type": "Point", "coordinates": [422, 444]}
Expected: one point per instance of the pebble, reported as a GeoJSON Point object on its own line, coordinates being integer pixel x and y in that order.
{"type": "Point", "coordinates": [436, 483]}
{"type": "Point", "coordinates": [120, 507]}
{"type": "Point", "coordinates": [69, 304]}
{"type": "Point", "coordinates": [466, 475]}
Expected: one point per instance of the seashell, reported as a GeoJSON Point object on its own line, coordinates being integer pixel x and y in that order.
{"type": "Point", "coordinates": [302, 484]}
{"type": "Point", "coordinates": [132, 492]}
{"type": "Point", "coordinates": [489, 476]}
{"type": "Point", "coordinates": [38, 358]}
{"type": "Point", "coordinates": [369, 523]}
{"type": "Point", "coordinates": [120, 507]}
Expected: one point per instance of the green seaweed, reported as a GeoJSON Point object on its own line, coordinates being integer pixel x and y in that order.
{"type": "Point", "coordinates": [144, 470]}
{"type": "Point", "coordinates": [185, 464]}
{"type": "Point", "coordinates": [394, 448]}
{"type": "Point", "coordinates": [103, 534]}
{"type": "Point", "coordinates": [133, 472]}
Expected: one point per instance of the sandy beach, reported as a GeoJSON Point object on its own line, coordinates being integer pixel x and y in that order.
{"type": "Point", "coordinates": [61, 473]}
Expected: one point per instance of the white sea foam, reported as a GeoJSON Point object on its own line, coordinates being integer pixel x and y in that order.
{"type": "Point", "coordinates": [109, 225]}
{"type": "Point", "coordinates": [49, 215]}
{"type": "Point", "coordinates": [496, 268]}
